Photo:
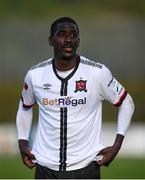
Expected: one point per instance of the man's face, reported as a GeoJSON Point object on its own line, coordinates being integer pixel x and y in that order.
{"type": "Point", "coordinates": [65, 41]}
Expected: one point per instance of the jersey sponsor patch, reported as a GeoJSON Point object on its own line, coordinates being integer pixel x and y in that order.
{"type": "Point", "coordinates": [118, 88]}
{"type": "Point", "coordinates": [66, 101]}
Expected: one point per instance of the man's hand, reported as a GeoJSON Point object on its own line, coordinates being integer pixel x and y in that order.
{"type": "Point", "coordinates": [26, 154]}
{"type": "Point", "coordinates": [109, 153]}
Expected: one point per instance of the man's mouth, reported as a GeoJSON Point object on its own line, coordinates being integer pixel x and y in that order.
{"type": "Point", "coordinates": [68, 48]}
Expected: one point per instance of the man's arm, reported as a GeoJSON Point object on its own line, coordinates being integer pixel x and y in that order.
{"type": "Point", "coordinates": [27, 157]}
{"type": "Point", "coordinates": [24, 122]}
{"type": "Point", "coordinates": [110, 152]}
{"type": "Point", "coordinates": [124, 118]}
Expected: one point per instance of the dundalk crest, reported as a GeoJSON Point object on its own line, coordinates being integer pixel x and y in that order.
{"type": "Point", "coordinates": [81, 85]}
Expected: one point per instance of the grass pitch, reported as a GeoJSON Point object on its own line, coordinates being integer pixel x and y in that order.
{"type": "Point", "coordinates": [11, 167]}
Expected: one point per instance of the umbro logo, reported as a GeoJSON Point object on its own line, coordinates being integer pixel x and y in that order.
{"type": "Point", "coordinates": [47, 86]}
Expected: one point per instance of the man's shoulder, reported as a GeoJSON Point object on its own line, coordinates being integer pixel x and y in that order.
{"type": "Point", "coordinates": [90, 63]}
{"type": "Point", "coordinates": [42, 64]}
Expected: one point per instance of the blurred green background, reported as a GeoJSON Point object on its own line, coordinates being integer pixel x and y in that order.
{"type": "Point", "coordinates": [111, 31]}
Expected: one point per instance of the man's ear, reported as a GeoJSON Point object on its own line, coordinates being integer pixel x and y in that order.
{"type": "Point", "coordinates": [78, 42]}
{"type": "Point", "coordinates": [51, 41]}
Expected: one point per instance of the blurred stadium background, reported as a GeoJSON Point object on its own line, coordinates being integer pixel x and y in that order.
{"type": "Point", "coordinates": [112, 32]}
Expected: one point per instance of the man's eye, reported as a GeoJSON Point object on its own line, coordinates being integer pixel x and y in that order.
{"type": "Point", "coordinates": [61, 34]}
{"type": "Point", "coordinates": [74, 35]}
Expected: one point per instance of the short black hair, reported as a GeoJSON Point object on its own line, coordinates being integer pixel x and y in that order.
{"type": "Point", "coordinates": [61, 20]}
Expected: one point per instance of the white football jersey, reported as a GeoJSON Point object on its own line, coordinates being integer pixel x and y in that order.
{"type": "Point", "coordinates": [70, 111]}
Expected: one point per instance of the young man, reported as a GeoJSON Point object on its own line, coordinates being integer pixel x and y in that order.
{"type": "Point", "coordinates": [69, 90]}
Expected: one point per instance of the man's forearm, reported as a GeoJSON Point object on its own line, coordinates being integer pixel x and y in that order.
{"type": "Point", "coordinates": [118, 142]}
{"type": "Point", "coordinates": [22, 143]}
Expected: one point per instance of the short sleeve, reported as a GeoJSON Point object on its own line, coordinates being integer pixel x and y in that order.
{"type": "Point", "coordinates": [111, 89]}
{"type": "Point", "coordinates": [28, 98]}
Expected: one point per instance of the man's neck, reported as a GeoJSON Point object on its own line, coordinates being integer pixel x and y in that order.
{"type": "Point", "coordinates": [65, 65]}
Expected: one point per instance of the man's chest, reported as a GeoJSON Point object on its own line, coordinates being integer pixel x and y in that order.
{"type": "Point", "coordinates": [80, 89]}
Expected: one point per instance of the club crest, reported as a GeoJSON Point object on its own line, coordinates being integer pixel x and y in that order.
{"type": "Point", "coordinates": [81, 86]}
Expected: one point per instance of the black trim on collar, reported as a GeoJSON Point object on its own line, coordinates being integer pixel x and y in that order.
{"type": "Point", "coordinates": [70, 75]}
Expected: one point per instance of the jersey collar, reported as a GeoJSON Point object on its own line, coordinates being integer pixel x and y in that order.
{"type": "Point", "coordinates": [70, 75]}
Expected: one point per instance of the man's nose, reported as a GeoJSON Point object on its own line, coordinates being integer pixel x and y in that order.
{"type": "Point", "coordinates": [68, 38]}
